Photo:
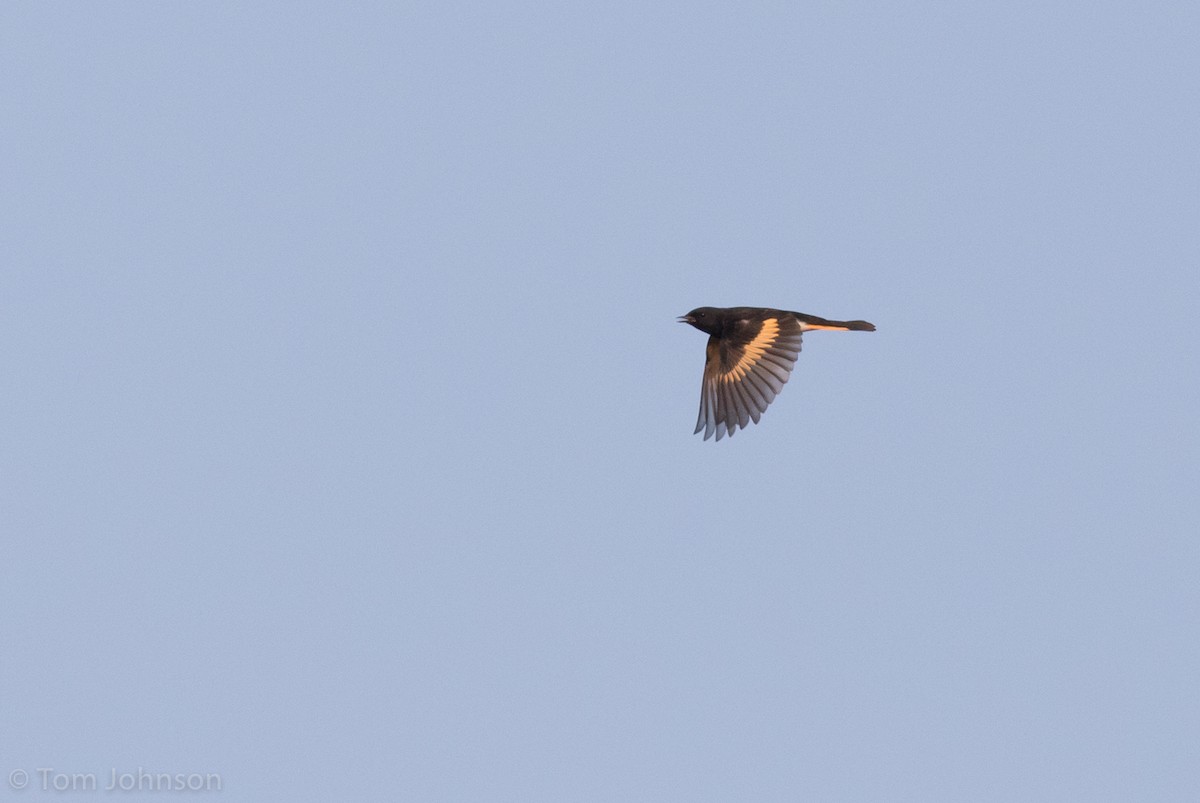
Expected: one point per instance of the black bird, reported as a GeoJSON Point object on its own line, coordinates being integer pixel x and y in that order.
{"type": "Point", "coordinates": [750, 355]}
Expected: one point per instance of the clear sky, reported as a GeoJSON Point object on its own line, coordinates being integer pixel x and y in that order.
{"type": "Point", "coordinates": [347, 451]}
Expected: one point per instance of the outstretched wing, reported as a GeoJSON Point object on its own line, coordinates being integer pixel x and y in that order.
{"type": "Point", "coordinates": [745, 371]}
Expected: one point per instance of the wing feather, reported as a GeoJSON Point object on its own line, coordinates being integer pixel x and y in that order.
{"type": "Point", "coordinates": [743, 376]}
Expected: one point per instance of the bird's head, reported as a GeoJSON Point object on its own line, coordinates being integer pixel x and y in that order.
{"type": "Point", "coordinates": [703, 318]}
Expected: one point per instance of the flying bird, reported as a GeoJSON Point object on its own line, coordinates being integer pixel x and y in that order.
{"type": "Point", "coordinates": [751, 351]}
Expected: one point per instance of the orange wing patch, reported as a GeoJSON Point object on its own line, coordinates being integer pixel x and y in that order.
{"type": "Point", "coordinates": [755, 349]}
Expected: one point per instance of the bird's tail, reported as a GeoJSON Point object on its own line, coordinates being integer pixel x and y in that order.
{"type": "Point", "coordinates": [813, 322]}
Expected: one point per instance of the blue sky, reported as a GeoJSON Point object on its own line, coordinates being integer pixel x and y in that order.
{"type": "Point", "coordinates": [347, 441]}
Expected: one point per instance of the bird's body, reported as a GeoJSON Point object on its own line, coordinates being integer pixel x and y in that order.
{"type": "Point", "coordinates": [751, 351]}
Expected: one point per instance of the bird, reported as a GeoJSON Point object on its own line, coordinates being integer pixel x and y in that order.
{"type": "Point", "coordinates": [750, 354]}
